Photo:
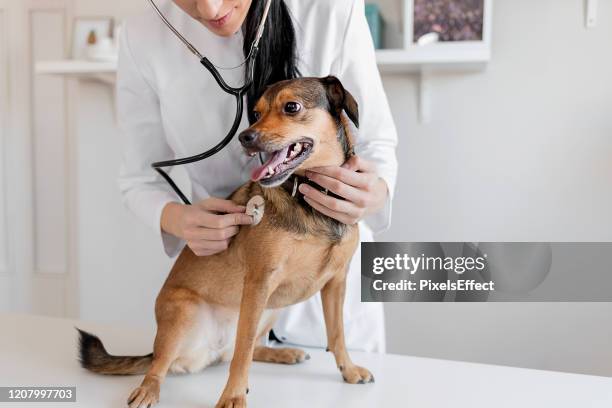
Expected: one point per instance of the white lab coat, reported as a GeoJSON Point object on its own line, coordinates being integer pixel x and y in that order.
{"type": "Point", "coordinates": [170, 106]}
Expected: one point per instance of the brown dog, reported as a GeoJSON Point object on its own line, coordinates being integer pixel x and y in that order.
{"type": "Point", "coordinates": [300, 124]}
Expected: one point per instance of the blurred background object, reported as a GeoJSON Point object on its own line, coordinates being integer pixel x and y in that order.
{"type": "Point", "coordinates": [89, 33]}
{"type": "Point", "coordinates": [375, 23]}
{"type": "Point", "coordinates": [453, 20]}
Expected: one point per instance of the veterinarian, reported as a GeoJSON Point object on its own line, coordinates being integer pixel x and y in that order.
{"type": "Point", "coordinates": [169, 106]}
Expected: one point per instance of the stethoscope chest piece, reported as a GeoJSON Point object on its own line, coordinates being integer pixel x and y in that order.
{"type": "Point", "coordinates": [255, 208]}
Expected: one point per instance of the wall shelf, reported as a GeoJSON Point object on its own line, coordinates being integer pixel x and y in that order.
{"type": "Point", "coordinates": [104, 72]}
{"type": "Point", "coordinates": [419, 59]}
{"type": "Point", "coordinates": [389, 61]}
{"type": "Point", "coordinates": [424, 61]}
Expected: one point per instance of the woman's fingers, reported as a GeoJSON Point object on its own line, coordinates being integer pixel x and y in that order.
{"type": "Point", "coordinates": [220, 205]}
{"type": "Point", "coordinates": [205, 219]}
{"type": "Point", "coordinates": [355, 172]}
{"type": "Point", "coordinates": [356, 181]}
{"type": "Point", "coordinates": [339, 187]}
{"type": "Point", "coordinates": [332, 203]}
{"type": "Point", "coordinates": [343, 218]}
{"type": "Point", "coordinates": [346, 176]}
{"type": "Point", "coordinates": [211, 234]}
{"type": "Point", "coordinates": [209, 241]}
{"type": "Point", "coordinates": [231, 214]}
{"type": "Point", "coordinates": [209, 225]}
{"type": "Point", "coordinates": [341, 210]}
{"type": "Point", "coordinates": [228, 220]}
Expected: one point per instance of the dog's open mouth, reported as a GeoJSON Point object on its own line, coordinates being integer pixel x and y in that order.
{"type": "Point", "coordinates": [280, 164]}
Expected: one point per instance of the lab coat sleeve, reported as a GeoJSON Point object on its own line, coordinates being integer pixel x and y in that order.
{"type": "Point", "coordinates": [143, 190]}
{"type": "Point", "coordinates": [376, 140]}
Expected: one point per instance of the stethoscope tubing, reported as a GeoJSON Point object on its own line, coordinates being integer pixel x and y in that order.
{"type": "Point", "coordinates": [239, 95]}
{"type": "Point", "coordinates": [237, 92]}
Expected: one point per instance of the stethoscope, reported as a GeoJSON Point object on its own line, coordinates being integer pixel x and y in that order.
{"type": "Point", "coordinates": [237, 92]}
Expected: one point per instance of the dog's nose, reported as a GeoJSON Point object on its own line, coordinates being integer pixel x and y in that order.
{"type": "Point", "coordinates": [248, 137]}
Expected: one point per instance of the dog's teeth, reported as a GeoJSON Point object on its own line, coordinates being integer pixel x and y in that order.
{"type": "Point", "coordinates": [270, 170]}
{"type": "Point", "coordinates": [295, 151]}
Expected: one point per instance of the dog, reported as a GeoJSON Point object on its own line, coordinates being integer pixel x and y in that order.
{"type": "Point", "coordinates": [218, 308]}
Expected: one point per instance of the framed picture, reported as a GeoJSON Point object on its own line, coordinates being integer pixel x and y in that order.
{"type": "Point", "coordinates": [443, 25]}
{"type": "Point", "coordinates": [448, 20]}
{"type": "Point", "coordinates": [458, 23]}
{"type": "Point", "coordinates": [89, 31]}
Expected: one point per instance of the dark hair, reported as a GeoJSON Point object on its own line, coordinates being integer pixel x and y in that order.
{"type": "Point", "coordinates": [277, 58]}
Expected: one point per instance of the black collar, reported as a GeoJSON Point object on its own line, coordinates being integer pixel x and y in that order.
{"type": "Point", "coordinates": [291, 186]}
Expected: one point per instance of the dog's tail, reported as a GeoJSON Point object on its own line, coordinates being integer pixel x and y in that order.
{"type": "Point", "coordinates": [94, 357]}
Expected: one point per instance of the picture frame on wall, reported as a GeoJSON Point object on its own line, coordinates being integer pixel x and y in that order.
{"type": "Point", "coordinates": [88, 32]}
{"type": "Point", "coordinates": [431, 30]}
{"type": "Point", "coordinates": [448, 24]}
{"type": "Point", "coordinates": [448, 20]}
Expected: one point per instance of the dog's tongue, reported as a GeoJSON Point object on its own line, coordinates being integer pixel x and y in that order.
{"type": "Point", "coordinates": [276, 159]}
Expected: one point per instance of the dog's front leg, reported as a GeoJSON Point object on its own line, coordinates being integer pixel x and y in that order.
{"type": "Point", "coordinates": [332, 297]}
{"type": "Point", "coordinates": [254, 299]}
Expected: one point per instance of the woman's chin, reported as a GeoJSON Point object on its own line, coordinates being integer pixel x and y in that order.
{"type": "Point", "coordinates": [226, 30]}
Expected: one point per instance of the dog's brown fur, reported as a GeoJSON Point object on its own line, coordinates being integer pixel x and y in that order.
{"type": "Point", "coordinates": [292, 254]}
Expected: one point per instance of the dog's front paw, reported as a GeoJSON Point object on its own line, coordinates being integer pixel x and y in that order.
{"type": "Point", "coordinates": [144, 396]}
{"type": "Point", "coordinates": [232, 402]}
{"type": "Point", "coordinates": [356, 375]}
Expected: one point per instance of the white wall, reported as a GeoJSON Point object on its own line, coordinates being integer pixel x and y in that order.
{"type": "Point", "coordinates": [521, 152]}
{"type": "Point", "coordinates": [4, 100]}
{"type": "Point", "coordinates": [35, 172]}
{"type": "Point", "coordinates": [116, 8]}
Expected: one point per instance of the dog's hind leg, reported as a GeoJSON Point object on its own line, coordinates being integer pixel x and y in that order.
{"type": "Point", "coordinates": [279, 355]}
{"type": "Point", "coordinates": [332, 297]}
{"type": "Point", "coordinates": [282, 355]}
{"type": "Point", "coordinates": [176, 312]}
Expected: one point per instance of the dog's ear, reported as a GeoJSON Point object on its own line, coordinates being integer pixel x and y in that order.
{"type": "Point", "coordinates": [340, 99]}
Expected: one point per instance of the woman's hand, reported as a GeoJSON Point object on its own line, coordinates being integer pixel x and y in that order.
{"type": "Point", "coordinates": [207, 226]}
{"type": "Point", "coordinates": [356, 181]}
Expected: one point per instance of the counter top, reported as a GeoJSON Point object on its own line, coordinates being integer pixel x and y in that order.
{"type": "Point", "coordinates": [41, 351]}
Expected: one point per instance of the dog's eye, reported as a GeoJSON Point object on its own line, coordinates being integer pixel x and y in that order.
{"type": "Point", "coordinates": [256, 115]}
{"type": "Point", "coordinates": [292, 108]}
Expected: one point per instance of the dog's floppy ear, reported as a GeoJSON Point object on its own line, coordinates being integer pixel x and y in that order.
{"type": "Point", "coordinates": [340, 99]}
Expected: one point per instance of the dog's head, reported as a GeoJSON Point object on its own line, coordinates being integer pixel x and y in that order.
{"type": "Point", "coordinates": [300, 126]}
